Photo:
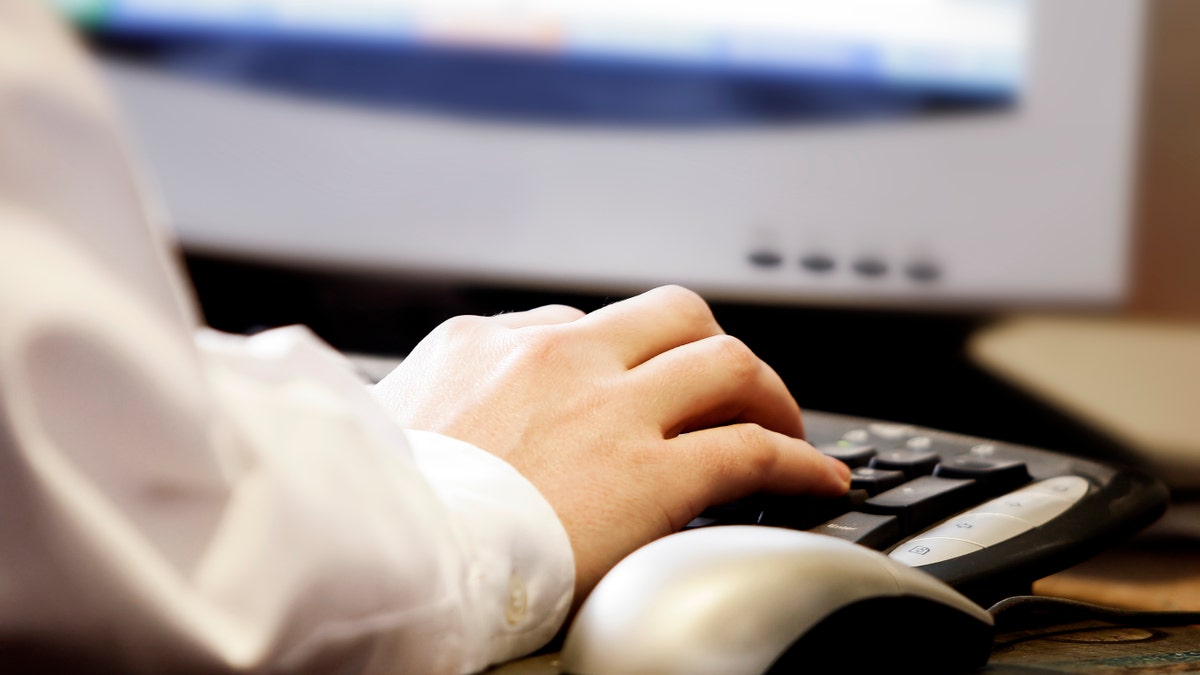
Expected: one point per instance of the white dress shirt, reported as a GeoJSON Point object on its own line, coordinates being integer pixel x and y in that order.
{"type": "Point", "coordinates": [173, 498]}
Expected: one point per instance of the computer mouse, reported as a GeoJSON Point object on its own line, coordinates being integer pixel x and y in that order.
{"type": "Point", "coordinates": [742, 600]}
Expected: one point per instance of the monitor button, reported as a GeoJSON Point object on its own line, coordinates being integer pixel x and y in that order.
{"type": "Point", "coordinates": [765, 258]}
{"type": "Point", "coordinates": [923, 271]}
{"type": "Point", "coordinates": [818, 262]}
{"type": "Point", "coordinates": [870, 267]}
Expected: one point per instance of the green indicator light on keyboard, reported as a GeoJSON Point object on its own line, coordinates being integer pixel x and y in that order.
{"type": "Point", "coordinates": [845, 444]}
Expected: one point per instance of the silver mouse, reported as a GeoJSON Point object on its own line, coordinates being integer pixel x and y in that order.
{"type": "Point", "coordinates": [742, 600]}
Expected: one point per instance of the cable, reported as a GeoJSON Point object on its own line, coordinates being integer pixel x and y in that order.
{"type": "Point", "coordinates": [1028, 611]}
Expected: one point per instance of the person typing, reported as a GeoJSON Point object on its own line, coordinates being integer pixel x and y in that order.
{"type": "Point", "coordinates": [173, 498]}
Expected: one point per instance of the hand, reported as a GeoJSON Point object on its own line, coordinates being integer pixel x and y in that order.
{"type": "Point", "coordinates": [630, 420]}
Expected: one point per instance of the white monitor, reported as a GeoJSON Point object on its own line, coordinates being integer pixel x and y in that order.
{"type": "Point", "coordinates": [919, 152]}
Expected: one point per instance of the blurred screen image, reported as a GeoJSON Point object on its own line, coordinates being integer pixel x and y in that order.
{"type": "Point", "coordinates": [630, 62]}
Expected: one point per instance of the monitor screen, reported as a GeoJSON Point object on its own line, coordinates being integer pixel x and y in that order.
{"type": "Point", "coordinates": [598, 61]}
{"type": "Point", "coordinates": [917, 152]}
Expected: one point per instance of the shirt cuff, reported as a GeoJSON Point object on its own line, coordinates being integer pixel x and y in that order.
{"type": "Point", "coordinates": [520, 570]}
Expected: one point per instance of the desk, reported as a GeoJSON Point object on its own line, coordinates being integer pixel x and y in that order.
{"type": "Point", "coordinates": [1150, 575]}
{"type": "Point", "coordinates": [1091, 647]}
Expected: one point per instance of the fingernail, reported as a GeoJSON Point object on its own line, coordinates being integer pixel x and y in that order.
{"type": "Point", "coordinates": [840, 469]}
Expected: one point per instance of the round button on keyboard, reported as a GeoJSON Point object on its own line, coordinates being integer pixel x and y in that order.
{"type": "Point", "coordinates": [1031, 507]}
{"type": "Point", "coordinates": [1070, 488]}
{"type": "Point", "coordinates": [892, 432]}
{"type": "Point", "coordinates": [984, 529]}
{"type": "Point", "coordinates": [1039, 502]}
{"type": "Point", "coordinates": [929, 550]}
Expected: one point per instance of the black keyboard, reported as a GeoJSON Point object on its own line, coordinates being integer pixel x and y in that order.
{"type": "Point", "coordinates": [986, 517]}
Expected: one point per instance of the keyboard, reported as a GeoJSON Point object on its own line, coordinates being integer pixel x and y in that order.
{"type": "Point", "coordinates": [986, 517]}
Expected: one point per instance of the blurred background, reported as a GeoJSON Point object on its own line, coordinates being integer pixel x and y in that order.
{"type": "Point", "coordinates": [977, 215]}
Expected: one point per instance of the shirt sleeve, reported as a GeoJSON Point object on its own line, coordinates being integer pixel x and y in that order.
{"type": "Point", "coordinates": [175, 499]}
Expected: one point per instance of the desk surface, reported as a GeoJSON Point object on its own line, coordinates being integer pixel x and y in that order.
{"type": "Point", "coordinates": [1150, 576]}
{"type": "Point", "coordinates": [1157, 576]}
{"type": "Point", "coordinates": [1092, 647]}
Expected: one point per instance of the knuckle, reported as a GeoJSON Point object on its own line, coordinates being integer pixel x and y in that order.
{"type": "Point", "coordinates": [759, 452]}
{"type": "Point", "coordinates": [751, 436]}
{"type": "Point", "coordinates": [688, 304]}
{"type": "Point", "coordinates": [540, 344]}
{"type": "Point", "coordinates": [739, 362]}
{"type": "Point", "coordinates": [461, 326]}
{"type": "Point", "coordinates": [567, 310]}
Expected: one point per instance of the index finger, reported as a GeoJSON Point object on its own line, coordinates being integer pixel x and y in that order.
{"type": "Point", "coordinates": [726, 463]}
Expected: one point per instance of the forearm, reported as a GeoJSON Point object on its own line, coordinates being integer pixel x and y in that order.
{"type": "Point", "coordinates": [327, 539]}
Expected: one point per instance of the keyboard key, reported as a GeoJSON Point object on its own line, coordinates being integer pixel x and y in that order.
{"type": "Point", "coordinates": [890, 431]}
{"type": "Point", "coordinates": [926, 551]}
{"type": "Point", "coordinates": [919, 443]}
{"type": "Point", "coordinates": [852, 454]}
{"type": "Point", "coordinates": [857, 436]}
{"type": "Point", "coordinates": [802, 513]}
{"type": "Point", "coordinates": [875, 481]}
{"type": "Point", "coordinates": [1033, 507]}
{"type": "Point", "coordinates": [983, 449]}
{"type": "Point", "coordinates": [1070, 488]}
{"type": "Point", "coordinates": [912, 462]}
{"type": "Point", "coordinates": [999, 475]}
{"type": "Point", "coordinates": [744, 511]}
{"type": "Point", "coordinates": [984, 529]}
{"type": "Point", "coordinates": [924, 500]}
{"type": "Point", "coordinates": [869, 529]}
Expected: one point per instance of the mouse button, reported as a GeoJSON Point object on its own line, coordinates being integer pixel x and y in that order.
{"type": "Point", "coordinates": [689, 628]}
{"type": "Point", "coordinates": [890, 634]}
{"type": "Point", "coordinates": [667, 634]}
{"type": "Point", "coordinates": [732, 614]}
{"type": "Point", "coordinates": [659, 612]}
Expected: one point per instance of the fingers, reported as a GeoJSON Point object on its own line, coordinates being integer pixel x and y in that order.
{"type": "Point", "coordinates": [714, 381]}
{"type": "Point", "coordinates": [724, 463]}
{"type": "Point", "coordinates": [651, 323]}
{"type": "Point", "coordinates": [541, 316]}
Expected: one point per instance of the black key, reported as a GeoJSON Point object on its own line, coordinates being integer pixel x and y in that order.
{"type": "Point", "coordinates": [802, 513]}
{"type": "Point", "coordinates": [850, 453]}
{"type": "Point", "coordinates": [995, 474]}
{"type": "Point", "coordinates": [744, 511]}
{"type": "Point", "coordinates": [912, 462]}
{"type": "Point", "coordinates": [923, 501]}
{"type": "Point", "coordinates": [875, 481]}
{"type": "Point", "coordinates": [869, 529]}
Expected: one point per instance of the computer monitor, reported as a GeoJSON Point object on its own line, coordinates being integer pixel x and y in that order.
{"type": "Point", "coordinates": [857, 152]}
